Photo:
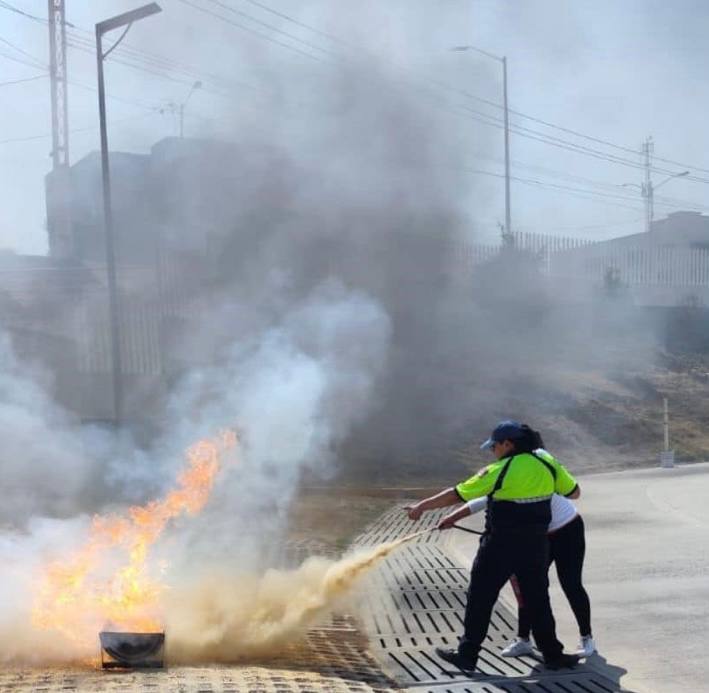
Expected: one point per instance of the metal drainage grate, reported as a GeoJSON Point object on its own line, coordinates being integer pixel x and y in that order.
{"type": "Point", "coordinates": [572, 683]}
{"type": "Point", "coordinates": [333, 658]}
{"type": "Point", "coordinates": [394, 524]}
{"type": "Point", "coordinates": [415, 601]}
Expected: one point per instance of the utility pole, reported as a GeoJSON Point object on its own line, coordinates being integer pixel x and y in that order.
{"type": "Point", "coordinates": [179, 108]}
{"type": "Point", "coordinates": [113, 313]}
{"type": "Point", "coordinates": [508, 213]}
{"type": "Point", "coordinates": [647, 190]}
{"type": "Point", "coordinates": [503, 60]}
{"type": "Point", "coordinates": [123, 20]}
{"type": "Point", "coordinates": [196, 85]}
{"type": "Point", "coordinates": [57, 183]}
{"type": "Point", "coordinates": [57, 74]}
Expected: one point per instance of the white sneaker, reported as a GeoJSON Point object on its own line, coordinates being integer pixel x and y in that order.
{"type": "Point", "coordinates": [586, 647]}
{"type": "Point", "coordinates": [517, 648]}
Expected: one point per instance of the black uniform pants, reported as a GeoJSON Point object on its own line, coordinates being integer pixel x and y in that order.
{"type": "Point", "coordinates": [567, 547]}
{"type": "Point", "coordinates": [502, 554]}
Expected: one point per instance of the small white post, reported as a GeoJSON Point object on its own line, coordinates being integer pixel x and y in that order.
{"type": "Point", "coordinates": [666, 424]}
{"type": "Point", "coordinates": [667, 456]}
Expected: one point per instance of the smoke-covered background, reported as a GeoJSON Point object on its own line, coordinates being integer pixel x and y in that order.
{"type": "Point", "coordinates": [316, 298]}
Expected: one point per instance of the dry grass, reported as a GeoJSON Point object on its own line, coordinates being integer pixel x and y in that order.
{"type": "Point", "coordinates": [334, 517]}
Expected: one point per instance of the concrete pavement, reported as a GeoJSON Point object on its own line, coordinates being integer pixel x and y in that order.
{"type": "Point", "coordinates": [647, 573]}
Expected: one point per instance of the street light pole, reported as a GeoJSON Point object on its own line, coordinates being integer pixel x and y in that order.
{"type": "Point", "coordinates": [508, 212]}
{"type": "Point", "coordinates": [647, 191]}
{"type": "Point", "coordinates": [126, 20]}
{"type": "Point", "coordinates": [646, 188]}
{"type": "Point", "coordinates": [505, 106]}
{"type": "Point", "coordinates": [108, 234]}
{"type": "Point", "coordinates": [650, 191]}
{"type": "Point", "coordinates": [196, 85]}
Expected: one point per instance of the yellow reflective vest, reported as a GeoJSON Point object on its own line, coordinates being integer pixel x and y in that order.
{"type": "Point", "coordinates": [524, 477]}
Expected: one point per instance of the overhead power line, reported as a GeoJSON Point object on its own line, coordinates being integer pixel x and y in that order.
{"type": "Point", "coordinates": [167, 64]}
{"type": "Point", "coordinates": [36, 62]}
{"type": "Point", "coordinates": [73, 83]}
{"type": "Point", "coordinates": [613, 199]}
{"type": "Point", "coordinates": [160, 66]}
{"type": "Point", "coordinates": [605, 187]}
{"type": "Point", "coordinates": [590, 195]}
{"type": "Point", "coordinates": [48, 135]}
{"type": "Point", "coordinates": [133, 102]}
{"type": "Point", "coordinates": [567, 145]}
{"type": "Point", "coordinates": [17, 60]}
{"type": "Point", "coordinates": [613, 187]}
{"type": "Point", "coordinates": [145, 61]}
{"type": "Point", "coordinates": [266, 25]}
{"type": "Point", "coordinates": [520, 114]}
{"type": "Point", "coordinates": [250, 30]}
{"type": "Point", "coordinates": [17, 10]}
{"type": "Point", "coordinates": [296, 22]}
{"type": "Point", "coordinates": [467, 94]}
{"type": "Point", "coordinates": [21, 81]}
{"type": "Point", "coordinates": [21, 61]}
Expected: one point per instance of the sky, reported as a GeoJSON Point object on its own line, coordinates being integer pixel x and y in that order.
{"type": "Point", "coordinates": [614, 72]}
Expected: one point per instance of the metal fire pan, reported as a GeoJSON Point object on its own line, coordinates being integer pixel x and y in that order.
{"type": "Point", "coordinates": [132, 650]}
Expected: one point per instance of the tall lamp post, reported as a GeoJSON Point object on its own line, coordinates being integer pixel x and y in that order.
{"type": "Point", "coordinates": [647, 191]}
{"type": "Point", "coordinates": [122, 20]}
{"type": "Point", "coordinates": [196, 85]}
{"type": "Point", "coordinates": [503, 61]}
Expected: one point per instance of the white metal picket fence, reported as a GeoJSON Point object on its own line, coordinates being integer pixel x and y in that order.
{"type": "Point", "coordinates": [594, 261]}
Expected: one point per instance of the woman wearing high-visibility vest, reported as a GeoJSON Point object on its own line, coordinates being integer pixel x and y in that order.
{"type": "Point", "coordinates": [567, 547]}
{"type": "Point", "coordinates": [519, 487]}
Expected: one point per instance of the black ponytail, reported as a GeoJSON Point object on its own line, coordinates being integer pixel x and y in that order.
{"type": "Point", "coordinates": [529, 442]}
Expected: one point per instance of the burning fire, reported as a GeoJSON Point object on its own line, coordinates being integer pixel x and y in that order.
{"type": "Point", "coordinates": [108, 581]}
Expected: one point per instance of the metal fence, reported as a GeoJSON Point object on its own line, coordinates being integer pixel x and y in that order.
{"type": "Point", "coordinates": [140, 337]}
{"type": "Point", "coordinates": [545, 244]}
{"type": "Point", "coordinates": [576, 261]}
{"type": "Point", "coordinates": [659, 266]}
{"type": "Point", "coordinates": [595, 261]}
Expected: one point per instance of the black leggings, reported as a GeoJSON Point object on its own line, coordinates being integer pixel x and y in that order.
{"type": "Point", "coordinates": [567, 547]}
{"type": "Point", "coordinates": [501, 555]}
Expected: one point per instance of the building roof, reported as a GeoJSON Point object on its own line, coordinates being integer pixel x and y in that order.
{"type": "Point", "coordinates": [685, 229]}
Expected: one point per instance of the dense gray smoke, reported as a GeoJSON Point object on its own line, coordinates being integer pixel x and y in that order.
{"type": "Point", "coordinates": [368, 198]}
{"type": "Point", "coordinates": [292, 390]}
{"type": "Point", "coordinates": [319, 307]}
{"type": "Point", "coordinates": [44, 466]}
{"type": "Point", "coordinates": [371, 195]}
{"type": "Point", "coordinates": [329, 268]}
{"type": "Point", "coordinates": [293, 393]}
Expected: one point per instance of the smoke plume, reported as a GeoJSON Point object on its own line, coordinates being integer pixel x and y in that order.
{"type": "Point", "coordinates": [318, 306]}
{"type": "Point", "coordinates": [224, 620]}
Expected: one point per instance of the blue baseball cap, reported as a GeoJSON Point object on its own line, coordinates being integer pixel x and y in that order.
{"type": "Point", "coordinates": [505, 430]}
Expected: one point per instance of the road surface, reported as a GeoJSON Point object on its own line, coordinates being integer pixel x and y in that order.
{"type": "Point", "coordinates": [647, 573]}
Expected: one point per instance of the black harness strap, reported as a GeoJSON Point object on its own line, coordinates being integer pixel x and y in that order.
{"type": "Point", "coordinates": [548, 465]}
{"type": "Point", "coordinates": [503, 473]}
{"type": "Point", "coordinates": [509, 515]}
{"type": "Point", "coordinates": [500, 478]}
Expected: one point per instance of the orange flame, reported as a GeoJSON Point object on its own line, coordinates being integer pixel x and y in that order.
{"type": "Point", "coordinates": [97, 585]}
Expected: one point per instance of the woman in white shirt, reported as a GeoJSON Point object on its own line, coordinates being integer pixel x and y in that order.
{"type": "Point", "coordinates": [567, 546]}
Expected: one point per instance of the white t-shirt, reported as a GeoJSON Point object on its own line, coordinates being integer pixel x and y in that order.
{"type": "Point", "coordinates": [562, 510]}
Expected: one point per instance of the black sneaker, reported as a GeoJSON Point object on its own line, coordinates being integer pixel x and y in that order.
{"type": "Point", "coordinates": [563, 661]}
{"type": "Point", "coordinates": [465, 664]}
